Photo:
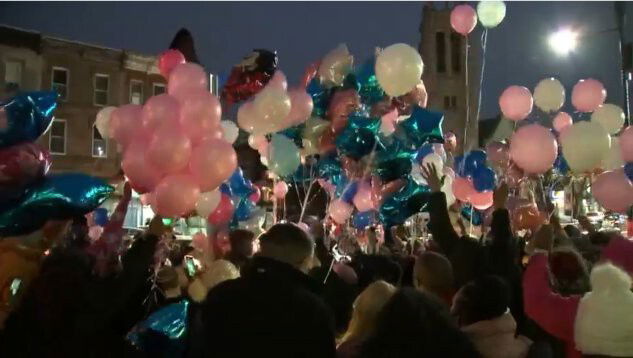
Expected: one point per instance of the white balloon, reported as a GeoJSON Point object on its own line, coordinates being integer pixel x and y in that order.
{"type": "Point", "coordinates": [610, 116]}
{"type": "Point", "coordinates": [103, 121]}
{"type": "Point", "coordinates": [399, 69]}
{"type": "Point", "coordinates": [613, 159]}
{"type": "Point", "coordinates": [335, 66]}
{"type": "Point", "coordinates": [549, 94]}
{"type": "Point", "coordinates": [585, 144]}
{"type": "Point", "coordinates": [434, 159]}
{"type": "Point", "coordinates": [230, 130]}
{"type": "Point", "coordinates": [208, 202]}
{"type": "Point", "coordinates": [491, 13]}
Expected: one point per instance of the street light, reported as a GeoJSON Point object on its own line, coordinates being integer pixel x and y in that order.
{"type": "Point", "coordinates": [563, 41]}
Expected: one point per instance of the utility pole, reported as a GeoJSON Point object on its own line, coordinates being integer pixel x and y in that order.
{"type": "Point", "coordinates": [625, 56]}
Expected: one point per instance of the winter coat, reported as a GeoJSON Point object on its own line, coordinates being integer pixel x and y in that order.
{"type": "Point", "coordinates": [273, 310]}
{"type": "Point", "coordinates": [495, 338]}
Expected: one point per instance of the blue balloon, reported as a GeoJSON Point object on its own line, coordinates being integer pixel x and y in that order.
{"type": "Point", "coordinates": [56, 197]}
{"type": "Point", "coordinates": [164, 332]}
{"type": "Point", "coordinates": [328, 167]}
{"type": "Point", "coordinates": [26, 117]}
{"type": "Point", "coordinates": [484, 179]}
{"type": "Point", "coordinates": [469, 212]}
{"type": "Point", "coordinates": [393, 161]}
{"type": "Point", "coordinates": [320, 97]}
{"type": "Point", "coordinates": [361, 220]}
{"type": "Point", "coordinates": [628, 170]}
{"type": "Point", "coordinates": [239, 185]}
{"type": "Point", "coordinates": [358, 138]}
{"type": "Point", "coordinates": [244, 209]}
{"type": "Point", "coordinates": [459, 164]}
{"type": "Point", "coordinates": [421, 127]}
{"type": "Point", "coordinates": [349, 192]}
{"type": "Point", "coordinates": [226, 189]}
{"type": "Point", "coordinates": [473, 160]}
{"type": "Point", "coordinates": [560, 164]}
{"type": "Point", "coordinates": [100, 216]}
{"type": "Point", "coordinates": [408, 201]}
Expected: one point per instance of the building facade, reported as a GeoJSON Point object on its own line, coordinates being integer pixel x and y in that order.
{"type": "Point", "coordinates": [87, 78]}
{"type": "Point", "coordinates": [449, 60]}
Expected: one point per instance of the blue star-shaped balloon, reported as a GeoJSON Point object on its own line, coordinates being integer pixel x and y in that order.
{"type": "Point", "coordinates": [25, 117]}
{"type": "Point", "coordinates": [421, 127]}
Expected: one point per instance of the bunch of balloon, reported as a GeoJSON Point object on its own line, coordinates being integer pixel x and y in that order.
{"type": "Point", "coordinates": [475, 180]}
{"type": "Point", "coordinates": [29, 196]}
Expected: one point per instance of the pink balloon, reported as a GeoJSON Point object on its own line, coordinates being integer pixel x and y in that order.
{"type": "Point", "coordinates": [463, 19]}
{"type": "Point", "coordinates": [278, 81]}
{"type": "Point", "coordinates": [327, 186]}
{"type": "Point", "coordinates": [388, 122]}
{"type": "Point", "coordinates": [340, 211]}
{"type": "Point", "coordinates": [533, 148]}
{"type": "Point", "coordinates": [257, 141]}
{"type": "Point", "coordinates": [147, 198]}
{"type": "Point", "coordinates": [212, 162]}
{"type": "Point", "coordinates": [176, 195]}
{"type": "Point", "coordinates": [562, 121]}
{"type": "Point", "coordinates": [224, 212]}
{"type": "Point", "coordinates": [257, 194]}
{"type": "Point", "coordinates": [159, 110]}
{"type": "Point", "coordinates": [125, 122]}
{"type": "Point", "coordinates": [168, 60]}
{"type": "Point", "coordinates": [626, 144]}
{"type": "Point", "coordinates": [481, 201]}
{"type": "Point", "coordinates": [363, 199]}
{"type": "Point", "coordinates": [186, 77]}
{"type": "Point", "coordinates": [613, 190]}
{"type": "Point", "coordinates": [516, 103]}
{"type": "Point", "coordinates": [463, 188]}
{"type": "Point", "coordinates": [142, 174]}
{"type": "Point", "coordinates": [169, 150]}
{"type": "Point", "coordinates": [201, 113]}
{"type": "Point", "coordinates": [280, 190]}
{"type": "Point", "coordinates": [588, 94]}
{"type": "Point", "coordinates": [301, 106]}
{"type": "Point", "coordinates": [498, 152]}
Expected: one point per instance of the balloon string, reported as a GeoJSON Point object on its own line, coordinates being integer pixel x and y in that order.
{"type": "Point", "coordinates": [467, 124]}
{"type": "Point", "coordinates": [470, 227]}
{"type": "Point", "coordinates": [484, 41]}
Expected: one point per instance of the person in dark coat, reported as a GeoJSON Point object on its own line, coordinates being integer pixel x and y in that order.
{"type": "Point", "coordinates": [273, 309]}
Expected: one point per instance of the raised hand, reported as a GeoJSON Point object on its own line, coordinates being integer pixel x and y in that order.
{"type": "Point", "coordinates": [429, 173]}
{"type": "Point", "coordinates": [500, 196]}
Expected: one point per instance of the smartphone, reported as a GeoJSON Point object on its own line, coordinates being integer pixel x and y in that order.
{"type": "Point", "coordinates": [190, 266]}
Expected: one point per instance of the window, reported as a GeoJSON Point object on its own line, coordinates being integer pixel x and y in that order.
{"type": "Point", "coordinates": [57, 140]}
{"type": "Point", "coordinates": [136, 92]}
{"type": "Point", "coordinates": [440, 51]}
{"type": "Point", "coordinates": [158, 88]}
{"type": "Point", "coordinates": [456, 52]}
{"type": "Point", "coordinates": [99, 144]}
{"type": "Point", "coordinates": [447, 102]}
{"type": "Point", "coordinates": [59, 82]}
{"type": "Point", "coordinates": [453, 101]}
{"type": "Point", "coordinates": [101, 86]}
{"type": "Point", "coordinates": [13, 73]}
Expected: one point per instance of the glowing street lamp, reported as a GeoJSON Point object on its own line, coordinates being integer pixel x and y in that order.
{"type": "Point", "coordinates": [563, 41]}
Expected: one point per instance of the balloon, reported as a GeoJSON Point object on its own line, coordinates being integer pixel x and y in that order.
{"type": "Point", "coordinates": [361, 220]}
{"type": "Point", "coordinates": [484, 179]}
{"type": "Point", "coordinates": [284, 156]}
{"type": "Point", "coordinates": [224, 212]}
{"type": "Point", "coordinates": [498, 152]}
{"type": "Point", "coordinates": [200, 114]}
{"type": "Point", "coordinates": [422, 126]}
{"type": "Point", "coordinates": [25, 117]}
{"type": "Point", "coordinates": [176, 195]}
{"type": "Point", "coordinates": [212, 162]}
{"type": "Point", "coordinates": [417, 97]}
{"type": "Point", "coordinates": [628, 170]}
{"type": "Point", "coordinates": [257, 141]}
{"type": "Point", "coordinates": [466, 165]}
{"type": "Point", "coordinates": [527, 217]}
{"type": "Point", "coordinates": [388, 122]}
{"type": "Point", "coordinates": [358, 138]}
{"type": "Point", "coordinates": [463, 19]}
{"type": "Point", "coordinates": [301, 106]}
{"type": "Point", "coordinates": [463, 188]}
{"type": "Point", "coordinates": [272, 105]}
{"type": "Point", "coordinates": [342, 104]}
{"type": "Point", "coordinates": [481, 200]}
{"type": "Point", "coordinates": [561, 164]}
{"type": "Point", "coordinates": [613, 190]}
{"type": "Point", "coordinates": [20, 166]}
{"type": "Point", "coordinates": [562, 121]}
{"type": "Point", "coordinates": [610, 116]}
{"type": "Point", "coordinates": [406, 201]}
{"type": "Point", "coordinates": [588, 94]}
{"type": "Point", "coordinates": [626, 144]}
{"type": "Point", "coordinates": [516, 103]}
{"type": "Point", "coordinates": [148, 199]}
{"type": "Point", "coordinates": [100, 216]}
{"type": "Point", "coordinates": [280, 189]}
{"type": "Point", "coordinates": [370, 91]}
{"type": "Point", "coordinates": [200, 241]}
{"type": "Point", "coordinates": [349, 192]}
{"type": "Point", "coordinates": [340, 211]}
{"type": "Point", "coordinates": [309, 73]}
{"type": "Point", "coordinates": [533, 148]}
{"type": "Point", "coordinates": [435, 160]}
{"type": "Point", "coordinates": [169, 150]}
{"type": "Point", "coordinates": [125, 123]}
{"type": "Point", "coordinates": [244, 210]}
{"type": "Point", "coordinates": [613, 158]}
{"type": "Point", "coordinates": [278, 81]}
{"type": "Point", "coordinates": [393, 162]}
{"type": "Point", "coordinates": [250, 76]}
{"type": "Point", "coordinates": [363, 198]}
{"type": "Point", "coordinates": [399, 69]}
{"type": "Point", "coordinates": [256, 195]}
{"type": "Point", "coordinates": [56, 197]}
{"type": "Point", "coordinates": [335, 66]}
{"type": "Point", "coordinates": [491, 13]}
{"type": "Point", "coordinates": [230, 131]}
{"type": "Point", "coordinates": [142, 174]}
{"type": "Point", "coordinates": [584, 146]}
{"type": "Point", "coordinates": [240, 186]}
{"type": "Point", "coordinates": [168, 60]}
{"type": "Point", "coordinates": [102, 122]}
{"type": "Point", "coordinates": [159, 110]}
{"type": "Point", "coordinates": [549, 95]}
{"type": "Point", "coordinates": [208, 202]}
{"type": "Point", "coordinates": [187, 77]}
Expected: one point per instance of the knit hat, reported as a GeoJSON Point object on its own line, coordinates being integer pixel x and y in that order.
{"type": "Point", "coordinates": [604, 321]}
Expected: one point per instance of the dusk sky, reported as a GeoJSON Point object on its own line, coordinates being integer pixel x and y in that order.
{"type": "Point", "coordinates": [302, 32]}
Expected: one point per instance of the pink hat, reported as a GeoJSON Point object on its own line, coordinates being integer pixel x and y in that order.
{"type": "Point", "coordinates": [620, 252]}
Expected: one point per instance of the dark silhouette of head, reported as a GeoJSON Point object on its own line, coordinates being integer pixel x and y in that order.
{"type": "Point", "coordinates": [287, 242]}
{"type": "Point", "coordinates": [183, 42]}
{"type": "Point", "coordinates": [481, 299]}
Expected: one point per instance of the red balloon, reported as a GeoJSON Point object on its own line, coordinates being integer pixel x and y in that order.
{"type": "Point", "coordinates": [168, 60]}
{"type": "Point", "coordinates": [613, 190]}
{"type": "Point", "coordinates": [176, 195]}
{"type": "Point", "coordinates": [527, 217]}
{"type": "Point", "coordinates": [463, 188]}
{"type": "Point", "coordinates": [224, 212]}
{"type": "Point", "coordinates": [588, 94]}
{"type": "Point", "coordinates": [249, 76]}
{"type": "Point", "coordinates": [21, 165]}
{"type": "Point", "coordinates": [481, 201]}
{"type": "Point", "coordinates": [257, 194]}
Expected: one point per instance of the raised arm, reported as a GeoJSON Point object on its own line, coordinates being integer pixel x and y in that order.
{"type": "Point", "coordinates": [440, 223]}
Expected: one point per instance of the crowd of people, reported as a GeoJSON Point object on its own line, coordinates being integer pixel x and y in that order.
{"type": "Point", "coordinates": [556, 292]}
